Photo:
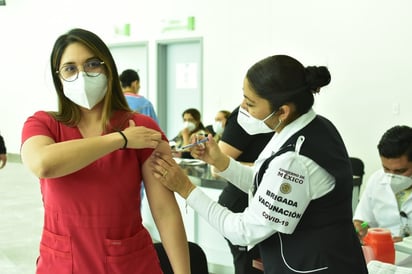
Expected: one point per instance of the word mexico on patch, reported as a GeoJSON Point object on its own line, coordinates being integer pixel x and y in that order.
{"type": "Point", "coordinates": [290, 176]}
{"type": "Point", "coordinates": [282, 199]}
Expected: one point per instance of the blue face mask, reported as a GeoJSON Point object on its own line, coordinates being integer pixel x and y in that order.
{"type": "Point", "coordinates": [252, 125]}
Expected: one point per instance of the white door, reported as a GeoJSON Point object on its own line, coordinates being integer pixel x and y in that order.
{"type": "Point", "coordinates": [133, 56]}
{"type": "Point", "coordinates": [179, 84]}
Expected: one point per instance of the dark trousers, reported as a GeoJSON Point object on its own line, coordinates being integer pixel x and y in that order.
{"type": "Point", "coordinates": [242, 259]}
{"type": "Point", "coordinates": [236, 200]}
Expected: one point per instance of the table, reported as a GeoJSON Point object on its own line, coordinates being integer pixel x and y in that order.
{"type": "Point", "coordinates": [200, 173]}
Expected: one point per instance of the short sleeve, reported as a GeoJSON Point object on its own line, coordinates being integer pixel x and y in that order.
{"type": "Point", "coordinates": [40, 123]}
{"type": "Point", "coordinates": [234, 134]}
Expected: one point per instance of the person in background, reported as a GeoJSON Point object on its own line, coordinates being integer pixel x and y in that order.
{"type": "Point", "coordinates": [386, 201]}
{"type": "Point", "coordinates": [300, 208]}
{"type": "Point", "coordinates": [91, 156]}
{"type": "Point", "coordinates": [245, 148]}
{"type": "Point", "coordinates": [192, 128]}
{"type": "Point", "coordinates": [216, 129]}
{"type": "Point", "coordinates": [3, 152]}
{"type": "Point", "coordinates": [130, 82]}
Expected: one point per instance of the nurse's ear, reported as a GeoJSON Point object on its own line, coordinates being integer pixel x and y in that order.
{"type": "Point", "coordinates": [287, 113]}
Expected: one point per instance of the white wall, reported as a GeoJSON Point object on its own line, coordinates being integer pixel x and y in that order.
{"type": "Point", "coordinates": [366, 45]}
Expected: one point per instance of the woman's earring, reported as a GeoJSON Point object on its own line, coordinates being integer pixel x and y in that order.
{"type": "Point", "coordinates": [278, 125]}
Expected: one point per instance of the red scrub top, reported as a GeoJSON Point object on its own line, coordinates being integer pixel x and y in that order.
{"type": "Point", "coordinates": [92, 219]}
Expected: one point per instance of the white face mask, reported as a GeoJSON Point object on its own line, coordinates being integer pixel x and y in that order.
{"type": "Point", "coordinates": [86, 91]}
{"type": "Point", "coordinates": [252, 125]}
{"type": "Point", "coordinates": [189, 125]}
{"type": "Point", "coordinates": [398, 182]}
{"type": "Point", "coordinates": [218, 127]}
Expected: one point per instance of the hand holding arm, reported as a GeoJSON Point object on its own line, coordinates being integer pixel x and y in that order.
{"type": "Point", "coordinates": [165, 168]}
{"type": "Point", "coordinates": [141, 137]}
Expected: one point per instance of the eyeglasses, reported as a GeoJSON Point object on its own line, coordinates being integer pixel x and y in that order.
{"type": "Point", "coordinates": [70, 72]}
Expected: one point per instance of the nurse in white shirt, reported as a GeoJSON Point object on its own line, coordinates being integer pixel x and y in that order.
{"type": "Point", "coordinates": [300, 187]}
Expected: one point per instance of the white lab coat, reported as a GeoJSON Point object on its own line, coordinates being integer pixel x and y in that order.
{"type": "Point", "coordinates": [379, 208]}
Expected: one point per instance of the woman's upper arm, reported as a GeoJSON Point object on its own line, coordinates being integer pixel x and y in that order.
{"type": "Point", "coordinates": [155, 189]}
{"type": "Point", "coordinates": [229, 150]}
{"type": "Point", "coordinates": [283, 193]}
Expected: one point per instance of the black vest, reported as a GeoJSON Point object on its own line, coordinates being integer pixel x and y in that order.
{"type": "Point", "coordinates": [324, 241]}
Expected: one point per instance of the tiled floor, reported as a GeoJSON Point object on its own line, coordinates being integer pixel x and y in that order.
{"type": "Point", "coordinates": [21, 219]}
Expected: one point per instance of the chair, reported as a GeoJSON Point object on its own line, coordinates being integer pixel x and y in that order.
{"type": "Point", "coordinates": [358, 170]}
{"type": "Point", "coordinates": [198, 260]}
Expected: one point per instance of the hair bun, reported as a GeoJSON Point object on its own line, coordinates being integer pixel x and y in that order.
{"type": "Point", "coordinates": [317, 77]}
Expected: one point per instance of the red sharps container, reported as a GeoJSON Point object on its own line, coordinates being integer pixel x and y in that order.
{"type": "Point", "coordinates": [381, 243]}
